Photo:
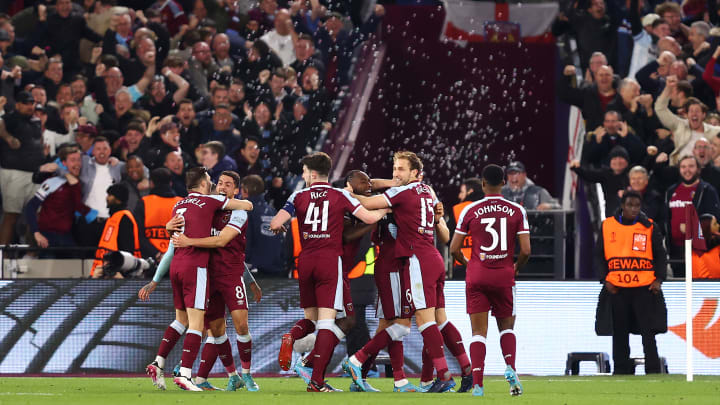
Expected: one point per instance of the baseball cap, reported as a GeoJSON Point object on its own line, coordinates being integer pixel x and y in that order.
{"type": "Point", "coordinates": [649, 19]}
{"type": "Point", "coordinates": [515, 167]}
{"type": "Point", "coordinates": [25, 97]}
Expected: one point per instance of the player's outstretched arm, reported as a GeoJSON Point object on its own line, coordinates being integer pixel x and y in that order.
{"type": "Point", "coordinates": [371, 216]}
{"type": "Point", "coordinates": [235, 204]}
{"type": "Point", "coordinates": [524, 254]}
{"type": "Point", "coordinates": [160, 271]}
{"type": "Point", "coordinates": [372, 203]}
{"type": "Point", "coordinates": [277, 224]}
{"type": "Point", "coordinates": [226, 235]}
{"type": "Point", "coordinates": [378, 184]}
{"type": "Point", "coordinates": [456, 248]}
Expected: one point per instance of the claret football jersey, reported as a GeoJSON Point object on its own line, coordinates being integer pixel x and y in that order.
{"type": "Point", "coordinates": [493, 224]}
{"type": "Point", "coordinates": [198, 211]}
{"type": "Point", "coordinates": [413, 207]}
{"type": "Point", "coordinates": [320, 210]}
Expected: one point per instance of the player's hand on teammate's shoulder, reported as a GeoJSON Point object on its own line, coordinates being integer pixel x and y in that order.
{"type": "Point", "coordinates": [175, 224]}
{"type": "Point", "coordinates": [146, 290]}
{"type": "Point", "coordinates": [180, 240]}
{"type": "Point", "coordinates": [257, 291]}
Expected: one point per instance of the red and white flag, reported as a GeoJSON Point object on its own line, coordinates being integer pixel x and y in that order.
{"type": "Point", "coordinates": [480, 21]}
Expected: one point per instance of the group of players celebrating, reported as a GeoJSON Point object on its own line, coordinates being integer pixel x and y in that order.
{"type": "Point", "coordinates": [207, 271]}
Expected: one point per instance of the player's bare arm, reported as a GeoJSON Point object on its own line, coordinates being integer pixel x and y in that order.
{"type": "Point", "coordinates": [371, 216]}
{"type": "Point", "coordinates": [353, 232]}
{"type": "Point", "coordinates": [378, 184]}
{"type": "Point", "coordinates": [372, 203]}
{"type": "Point", "coordinates": [146, 290]}
{"type": "Point", "coordinates": [456, 248]}
{"type": "Point", "coordinates": [441, 229]}
{"type": "Point", "coordinates": [227, 234]}
{"type": "Point", "coordinates": [277, 224]}
{"type": "Point", "coordinates": [524, 254]}
{"type": "Point", "coordinates": [235, 204]}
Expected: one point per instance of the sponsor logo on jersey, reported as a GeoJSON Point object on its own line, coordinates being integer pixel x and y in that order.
{"type": "Point", "coordinates": [678, 203]}
{"type": "Point", "coordinates": [484, 256]}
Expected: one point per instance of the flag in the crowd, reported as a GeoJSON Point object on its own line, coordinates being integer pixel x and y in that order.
{"type": "Point", "coordinates": [480, 21]}
{"type": "Point", "coordinates": [693, 231]}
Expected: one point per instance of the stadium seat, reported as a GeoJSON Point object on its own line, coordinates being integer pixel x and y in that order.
{"type": "Point", "coordinates": [640, 361]}
{"type": "Point", "coordinates": [384, 359]}
{"type": "Point", "coordinates": [601, 359]}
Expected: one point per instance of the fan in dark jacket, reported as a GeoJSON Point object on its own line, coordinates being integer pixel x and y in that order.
{"type": "Point", "coordinates": [613, 179]}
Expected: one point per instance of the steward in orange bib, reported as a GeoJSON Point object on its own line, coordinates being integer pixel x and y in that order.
{"type": "Point", "coordinates": [120, 232]}
{"type": "Point", "coordinates": [632, 263]}
{"type": "Point", "coordinates": [157, 211]}
{"type": "Point", "coordinates": [470, 191]}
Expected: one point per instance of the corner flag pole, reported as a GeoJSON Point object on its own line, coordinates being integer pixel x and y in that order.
{"type": "Point", "coordinates": [688, 311]}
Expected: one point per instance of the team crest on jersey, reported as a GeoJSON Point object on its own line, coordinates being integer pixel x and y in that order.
{"type": "Point", "coordinates": [421, 230]}
{"type": "Point", "coordinates": [349, 306]}
{"type": "Point", "coordinates": [639, 242]}
{"type": "Point", "coordinates": [305, 235]}
{"type": "Point", "coordinates": [226, 217]}
{"type": "Point", "coordinates": [482, 256]}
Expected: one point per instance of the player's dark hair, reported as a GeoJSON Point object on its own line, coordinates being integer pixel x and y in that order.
{"type": "Point", "coordinates": [253, 184]}
{"type": "Point", "coordinates": [233, 175]}
{"type": "Point", "coordinates": [161, 176]}
{"type": "Point", "coordinates": [630, 194]}
{"type": "Point", "coordinates": [493, 175]}
{"type": "Point", "coordinates": [319, 162]}
{"type": "Point", "coordinates": [415, 162]}
{"type": "Point", "coordinates": [194, 177]}
{"type": "Point", "coordinates": [351, 175]}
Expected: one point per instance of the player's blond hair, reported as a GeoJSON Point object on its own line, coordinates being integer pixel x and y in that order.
{"type": "Point", "coordinates": [411, 157]}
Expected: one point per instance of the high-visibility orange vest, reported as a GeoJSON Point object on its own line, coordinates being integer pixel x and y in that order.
{"type": "Point", "coordinates": [297, 248]}
{"type": "Point", "coordinates": [108, 239]}
{"type": "Point", "coordinates": [628, 251]}
{"type": "Point", "coordinates": [467, 242]}
{"type": "Point", "coordinates": [707, 265]}
{"type": "Point", "coordinates": [158, 211]}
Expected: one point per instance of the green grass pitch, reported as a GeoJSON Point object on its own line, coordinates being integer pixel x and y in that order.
{"type": "Point", "coordinates": [570, 390]}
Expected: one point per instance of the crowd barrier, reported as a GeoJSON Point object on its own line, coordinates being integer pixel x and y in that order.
{"type": "Point", "coordinates": [99, 326]}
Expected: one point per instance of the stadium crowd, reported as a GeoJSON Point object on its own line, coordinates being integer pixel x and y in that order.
{"type": "Point", "coordinates": [95, 94]}
{"type": "Point", "coordinates": [647, 89]}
